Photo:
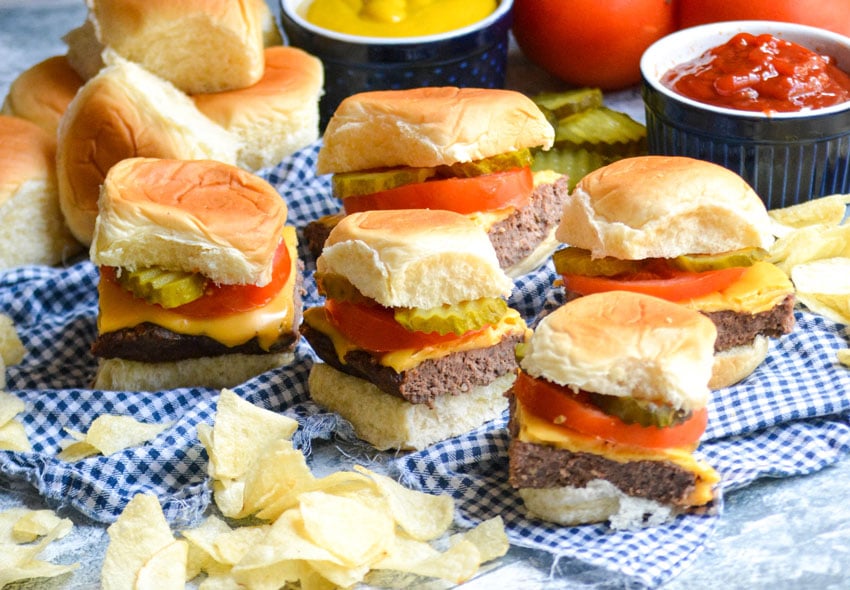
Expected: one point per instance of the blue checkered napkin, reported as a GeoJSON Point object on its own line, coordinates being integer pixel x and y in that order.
{"type": "Point", "coordinates": [791, 417]}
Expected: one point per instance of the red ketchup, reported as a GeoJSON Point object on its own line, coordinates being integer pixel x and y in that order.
{"type": "Point", "coordinates": [761, 73]}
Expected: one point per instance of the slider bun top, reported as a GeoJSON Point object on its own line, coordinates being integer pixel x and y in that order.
{"type": "Point", "coordinates": [190, 215]}
{"type": "Point", "coordinates": [628, 345]}
{"type": "Point", "coordinates": [42, 92]}
{"type": "Point", "coordinates": [427, 127]}
{"type": "Point", "coordinates": [197, 45]}
{"type": "Point", "coordinates": [414, 258]}
{"type": "Point", "coordinates": [276, 116]}
{"type": "Point", "coordinates": [663, 207]}
{"type": "Point", "coordinates": [124, 112]}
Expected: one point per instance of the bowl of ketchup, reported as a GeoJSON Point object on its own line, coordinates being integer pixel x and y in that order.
{"type": "Point", "coordinates": [768, 100]}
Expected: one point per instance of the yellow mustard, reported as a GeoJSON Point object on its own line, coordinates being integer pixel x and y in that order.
{"type": "Point", "coordinates": [397, 18]}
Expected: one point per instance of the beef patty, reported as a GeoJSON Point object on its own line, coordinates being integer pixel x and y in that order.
{"type": "Point", "coordinates": [455, 373]}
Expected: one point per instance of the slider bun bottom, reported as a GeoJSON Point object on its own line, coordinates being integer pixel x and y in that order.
{"type": "Point", "coordinates": [215, 372]}
{"type": "Point", "coordinates": [389, 422]}
{"type": "Point", "coordinates": [733, 365]}
{"type": "Point", "coordinates": [598, 501]}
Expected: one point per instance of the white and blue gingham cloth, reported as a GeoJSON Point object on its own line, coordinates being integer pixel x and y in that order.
{"type": "Point", "coordinates": [791, 417]}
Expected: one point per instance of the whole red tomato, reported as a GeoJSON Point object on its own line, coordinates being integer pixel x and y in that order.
{"type": "Point", "coordinates": [833, 15]}
{"type": "Point", "coordinates": [591, 42]}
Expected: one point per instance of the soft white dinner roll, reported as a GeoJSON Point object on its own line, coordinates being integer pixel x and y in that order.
{"type": "Point", "coordinates": [627, 345]}
{"type": "Point", "coordinates": [663, 207]}
{"type": "Point", "coordinates": [276, 116]}
{"type": "Point", "coordinates": [198, 45]}
{"type": "Point", "coordinates": [32, 228]}
{"type": "Point", "coordinates": [42, 92]}
{"type": "Point", "coordinates": [429, 127]}
{"type": "Point", "coordinates": [194, 215]}
{"type": "Point", "coordinates": [124, 112]}
{"type": "Point", "coordinates": [441, 258]}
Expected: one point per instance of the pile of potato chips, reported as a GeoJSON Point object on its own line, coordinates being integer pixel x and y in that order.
{"type": "Point", "coordinates": [813, 248]}
{"type": "Point", "coordinates": [320, 532]}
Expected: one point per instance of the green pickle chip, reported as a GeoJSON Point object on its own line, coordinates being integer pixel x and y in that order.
{"type": "Point", "coordinates": [453, 319]}
{"type": "Point", "coordinates": [167, 288]}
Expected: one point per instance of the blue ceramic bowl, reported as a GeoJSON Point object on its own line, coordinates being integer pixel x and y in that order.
{"type": "Point", "coordinates": [474, 56]}
{"type": "Point", "coordinates": [787, 158]}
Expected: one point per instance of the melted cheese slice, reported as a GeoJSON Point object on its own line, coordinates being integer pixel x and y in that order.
{"type": "Point", "coordinates": [118, 309]}
{"type": "Point", "coordinates": [761, 288]}
{"type": "Point", "coordinates": [539, 431]}
{"type": "Point", "coordinates": [405, 359]}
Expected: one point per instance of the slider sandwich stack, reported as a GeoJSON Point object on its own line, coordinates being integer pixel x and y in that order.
{"type": "Point", "coordinates": [607, 409]}
{"type": "Point", "coordinates": [199, 276]}
{"type": "Point", "coordinates": [417, 341]}
{"type": "Point", "coordinates": [688, 231]}
{"type": "Point", "coordinates": [461, 149]}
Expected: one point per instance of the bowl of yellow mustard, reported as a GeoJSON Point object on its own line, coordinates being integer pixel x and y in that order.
{"type": "Point", "coordinates": [397, 44]}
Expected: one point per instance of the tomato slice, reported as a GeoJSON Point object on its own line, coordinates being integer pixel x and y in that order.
{"type": "Point", "coordinates": [221, 300]}
{"type": "Point", "coordinates": [510, 188]}
{"type": "Point", "coordinates": [673, 285]}
{"type": "Point", "coordinates": [561, 406]}
{"type": "Point", "coordinates": [374, 328]}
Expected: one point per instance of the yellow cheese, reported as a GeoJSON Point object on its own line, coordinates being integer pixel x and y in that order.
{"type": "Point", "coordinates": [118, 309]}
{"type": "Point", "coordinates": [402, 360]}
{"type": "Point", "coordinates": [539, 431]}
{"type": "Point", "coordinates": [762, 287]}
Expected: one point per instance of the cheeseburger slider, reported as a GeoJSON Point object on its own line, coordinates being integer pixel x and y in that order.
{"type": "Point", "coordinates": [608, 406]}
{"type": "Point", "coordinates": [461, 149]}
{"type": "Point", "coordinates": [199, 277]}
{"type": "Point", "coordinates": [417, 340]}
{"type": "Point", "coordinates": [688, 231]}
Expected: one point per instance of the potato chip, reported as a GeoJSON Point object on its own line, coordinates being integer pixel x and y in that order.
{"type": "Point", "coordinates": [823, 286]}
{"type": "Point", "coordinates": [223, 544]}
{"type": "Point", "coordinates": [13, 437]}
{"type": "Point", "coordinates": [338, 482]}
{"type": "Point", "coordinates": [38, 523]}
{"type": "Point", "coordinates": [10, 406]}
{"type": "Point", "coordinates": [355, 532]}
{"type": "Point", "coordinates": [137, 535]}
{"type": "Point", "coordinates": [403, 552]}
{"type": "Point", "coordinates": [166, 569]}
{"type": "Point", "coordinates": [339, 576]}
{"type": "Point", "coordinates": [109, 434]}
{"type": "Point", "coordinates": [12, 350]}
{"type": "Point", "coordinates": [808, 244]}
{"type": "Point", "coordinates": [422, 516]}
{"type": "Point", "coordinates": [843, 356]}
{"type": "Point", "coordinates": [457, 564]}
{"type": "Point", "coordinates": [282, 470]}
{"type": "Point", "coordinates": [489, 538]}
{"type": "Point", "coordinates": [829, 210]}
{"type": "Point", "coordinates": [241, 432]}
{"type": "Point", "coordinates": [19, 561]}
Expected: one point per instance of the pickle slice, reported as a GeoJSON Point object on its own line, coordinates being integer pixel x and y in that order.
{"type": "Point", "coordinates": [704, 262]}
{"type": "Point", "coordinates": [453, 319]}
{"type": "Point", "coordinates": [634, 411]}
{"type": "Point", "coordinates": [577, 261]}
{"type": "Point", "coordinates": [163, 287]}
{"type": "Point", "coordinates": [568, 102]}
{"type": "Point", "coordinates": [605, 130]}
{"type": "Point", "coordinates": [574, 163]}
{"type": "Point", "coordinates": [499, 162]}
{"type": "Point", "coordinates": [350, 184]}
{"type": "Point", "coordinates": [335, 286]}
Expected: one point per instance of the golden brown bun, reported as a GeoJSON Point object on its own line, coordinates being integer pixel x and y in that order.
{"type": "Point", "coordinates": [197, 45]}
{"type": "Point", "coordinates": [32, 229]}
{"type": "Point", "coordinates": [389, 422]}
{"type": "Point", "coordinates": [84, 50]}
{"type": "Point", "coordinates": [414, 258]}
{"type": "Point", "coordinates": [192, 215]}
{"type": "Point", "coordinates": [42, 93]}
{"type": "Point", "coordinates": [125, 112]}
{"type": "Point", "coordinates": [216, 372]}
{"type": "Point", "coordinates": [276, 116]}
{"type": "Point", "coordinates": [663, 207]}
{"type": "Point", "coordinates": [429, 127]}
{"type": "Point", "coordinates": [735, 364]}
{"type": "Point", "coordinates": [627, 345]}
